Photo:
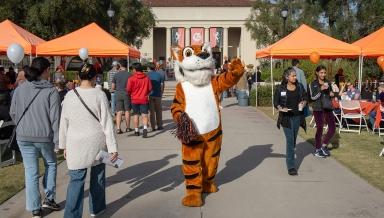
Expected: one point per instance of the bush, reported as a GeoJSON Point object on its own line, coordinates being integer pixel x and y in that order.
{"type": "Point", "coordinates": [264, 96]}
{"type": "Point", "coordinates": [350, 67]}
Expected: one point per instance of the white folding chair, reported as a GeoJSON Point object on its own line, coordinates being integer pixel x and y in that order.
{"type": "Point", "coordinates": [381, 153]}
{"type": "Point", "coordinates": [314, 123]}
{"type": "Point", "coordinates": [347, 107]}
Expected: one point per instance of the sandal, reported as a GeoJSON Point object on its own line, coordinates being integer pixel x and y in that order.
{"type": "Point", "coordinates": [128, 130]}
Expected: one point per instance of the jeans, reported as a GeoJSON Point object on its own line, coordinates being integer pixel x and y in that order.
{"type": "Point", "coordinates": [322, 117]}
{"type": "Point", "coordinates": [30, 151]}
{"type": "Point", "coordinates": [290, 137]}
{"type": "Point", "coordinates": [113, 102]}
{"type": "Point", "coordinates": [155, 112]}
{"type": "Point", "coordinates": [75, 192]}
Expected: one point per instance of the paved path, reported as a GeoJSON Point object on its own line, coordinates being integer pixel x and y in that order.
{"type": "Point", "coordinates": [252, 178]}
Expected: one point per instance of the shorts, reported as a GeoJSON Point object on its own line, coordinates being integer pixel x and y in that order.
{"type": "Point", "coordinates": [123, 102]}
{"type": "Point", "coordinates": [140, 108]}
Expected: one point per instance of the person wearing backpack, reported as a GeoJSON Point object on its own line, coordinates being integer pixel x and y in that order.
{"type": "Point", "coordinates": [36, 108]}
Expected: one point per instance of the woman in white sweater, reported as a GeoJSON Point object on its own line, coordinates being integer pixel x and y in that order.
{"type": "Point", "coordinates": [85, 129]}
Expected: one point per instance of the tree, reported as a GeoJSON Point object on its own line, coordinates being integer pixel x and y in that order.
{"type": "Point", "coordinates": [134, 21]}
{"type": "Point", "coordinates": [53, 18]}
{"type": "Point", "coordinates": [266, 24]}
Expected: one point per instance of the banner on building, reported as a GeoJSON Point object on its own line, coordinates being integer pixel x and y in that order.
{"type": "Point", "coordinates": [197, 36]}
{"type": "Point", "coordinates": [216, 37]}
{"type": "Point", "coordinates": [178, 37]}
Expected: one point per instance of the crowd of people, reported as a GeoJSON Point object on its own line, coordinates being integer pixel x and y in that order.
{"type": "Point", "coordinates": [53, 114]}
{"type": "Point", "coordinates": [292, 98]}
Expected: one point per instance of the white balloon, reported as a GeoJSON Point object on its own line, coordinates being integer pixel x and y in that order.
{"type": "Point", "coordinates": [15, 53]}
{"type": "Point", "coordinates": [83, 53]}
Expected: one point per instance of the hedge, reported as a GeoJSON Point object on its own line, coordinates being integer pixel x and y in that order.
{"type": "Point", "coordinates": [264, 97]}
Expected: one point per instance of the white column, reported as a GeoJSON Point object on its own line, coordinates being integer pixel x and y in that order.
{"type": "Point", "coordinates": [225, 42]}
{"type": "Point", "coordinates": [168, 43]}
{"type": "Point", "coordinates": [187, 36]}
{"type": "Point", "coordinates": [206, 35]}
{"type": "Point", "coordinates": [148, 47]}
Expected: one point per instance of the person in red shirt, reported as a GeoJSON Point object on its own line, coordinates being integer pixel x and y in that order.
{"type": "Point", "coordinates": [138, 87]}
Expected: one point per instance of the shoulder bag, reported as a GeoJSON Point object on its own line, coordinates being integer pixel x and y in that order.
{"type": "Point", "coordinates": [85, 105]}
{"type": "Point", "coordinates": [12, 143]}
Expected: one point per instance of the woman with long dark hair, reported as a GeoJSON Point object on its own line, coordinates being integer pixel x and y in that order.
{"type": "Point", "coordinates": [290, 99]}
{"type": "Point", "coordinates": [86, 128]}
{"type": "Point", "coordinates": [321, 94]}
{"type": "Point", "coordinates": [36, 107]}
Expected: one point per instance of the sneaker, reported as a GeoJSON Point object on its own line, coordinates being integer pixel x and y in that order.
{"type": "Point", "coordinates": [319, 153]}
{"type": "Point", "coordinates": [37, 213]}
{"type": "Point", "coordinates": [292, 172]}
{"type": "Point", "coordinates": [326, 151]}
{"type": "Point", "coordinates": [160, 128]}
{"type": "Point", "coordinates": [145, 131]}
{"type": "Point", "coordinates": [51, 204]}
{"type": "Point", "coordinates": [137, 133]}
{"type": "Point", "coordinates": [97, 214]}
{"type": "Point", "coordinates": [118, 131]}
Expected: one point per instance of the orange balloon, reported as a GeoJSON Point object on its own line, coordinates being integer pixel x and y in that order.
{"type": "Point", "coordinates": [314, 57]}
{"type": "Point", "coordinates": [380, 60]}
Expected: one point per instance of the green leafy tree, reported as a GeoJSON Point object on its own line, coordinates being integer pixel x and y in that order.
{"type": "Point", "coordinates": [53, 18]}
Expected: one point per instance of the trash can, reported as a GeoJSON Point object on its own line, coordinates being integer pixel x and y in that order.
{"type": "Point", "coordinates": [242, 98]}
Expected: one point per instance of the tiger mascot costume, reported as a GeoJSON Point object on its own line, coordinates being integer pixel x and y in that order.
{"type": "Point", "coordinates": [196, 111]}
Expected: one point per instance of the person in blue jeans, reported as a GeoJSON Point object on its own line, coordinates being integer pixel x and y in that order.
{"type": "Point", "coordinates": [37, 133]}
{"type": "Point", "coordinates": [86, 128]}
{"type": "Point", "coordinates": [290, 99]}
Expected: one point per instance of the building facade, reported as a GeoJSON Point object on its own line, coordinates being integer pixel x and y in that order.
{"type": "Point", "coordinates": [184, 22]}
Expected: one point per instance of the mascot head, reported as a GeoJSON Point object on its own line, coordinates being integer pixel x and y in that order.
{"type": "Point", "coordinates": [194, 64]}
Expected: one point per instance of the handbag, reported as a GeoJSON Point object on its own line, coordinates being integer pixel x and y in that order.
{"type": "Point", "coordinates": [85, 105]}
{"type": "Point", "coordinates": [12, 143]}
{"type": "Point", "coordinates": [326, 102]}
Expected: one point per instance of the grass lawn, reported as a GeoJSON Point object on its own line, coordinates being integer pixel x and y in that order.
{"type": "Point", "coordinates": [360, 153]}
{"type": "Point", "coordinates": [12, 178]}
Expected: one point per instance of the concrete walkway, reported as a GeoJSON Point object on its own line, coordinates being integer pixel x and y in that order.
{"type": "Point", "coordinates": [252, 178]}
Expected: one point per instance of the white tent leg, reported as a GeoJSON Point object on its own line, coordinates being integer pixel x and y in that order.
{"type": "Point", "coordinates": [360, 72]}
{"type": "Point", "coordinates": [273, 108]}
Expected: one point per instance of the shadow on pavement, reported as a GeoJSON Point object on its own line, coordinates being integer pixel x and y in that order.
{"type": "Point", "coordinates": [134, 174]}
{"type": "Point", "coordinates": [303, 149]}
{"type": "Point", "coordinates": [165, 180]}
{"type": "Point", "coordinates": [248, 160]}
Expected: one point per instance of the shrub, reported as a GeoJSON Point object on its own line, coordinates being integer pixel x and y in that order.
{"type": "Point", "coordinates": [264, 96]}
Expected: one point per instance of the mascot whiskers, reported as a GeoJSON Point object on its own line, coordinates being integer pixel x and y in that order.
{"type": "Point", "coordinates": [196, 111]}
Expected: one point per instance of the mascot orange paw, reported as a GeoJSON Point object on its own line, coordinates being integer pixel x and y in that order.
{"type": "Point", "coordinates": [210, 187]}
{"type": "Point", "coordinates": [192, 200]}
{"type": "Point", "coordinates": [236, 66]}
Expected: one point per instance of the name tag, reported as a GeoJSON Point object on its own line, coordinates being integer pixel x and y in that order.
{"type": "Point", "coordinates": [283, 93]}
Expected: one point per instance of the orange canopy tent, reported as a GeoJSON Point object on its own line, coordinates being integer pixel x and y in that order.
{"type": "Point", "coordinates": [372, 45]}
{"type": "Point", "coordinates": [12, 33]}
{"type": "Point", "coordinates": [98, 42]}
{"type": "Point", "coordinates": [302, 42]}
{"type": "Point", "coordinates": [305, 40]}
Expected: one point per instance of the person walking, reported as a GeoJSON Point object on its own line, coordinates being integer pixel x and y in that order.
{"type": "Point", "coordinates": [36, 109]}
{"type": "Point", "coordinates": [321, 94]}
{"type": "Point", "coordinates": [290, 99]}
{"type": "Point", "coordinates": [300, 73]}
{"type": "Point", "coordinates": [139, 86]}
{"type": "Point", "coordinates": [155, 106]}
{"type": "Point", "coordinates": [111, 75]}
{"type": "Point", "coordinates": [123, 100]}
{"type": "Point", "coordinates": [86, 128]}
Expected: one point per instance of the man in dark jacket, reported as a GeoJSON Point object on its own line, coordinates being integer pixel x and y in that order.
{"type": "Point", "coordinates": [139, 86]}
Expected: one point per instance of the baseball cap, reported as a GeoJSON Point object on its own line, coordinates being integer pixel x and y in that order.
{"type": "Point", "coordinates": [115, 63]}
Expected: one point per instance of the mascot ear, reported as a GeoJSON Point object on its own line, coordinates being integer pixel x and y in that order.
{"type": "Point", "coordinates": [177, 56]}
{"type": "Point", "coordinates": [176, 52]}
